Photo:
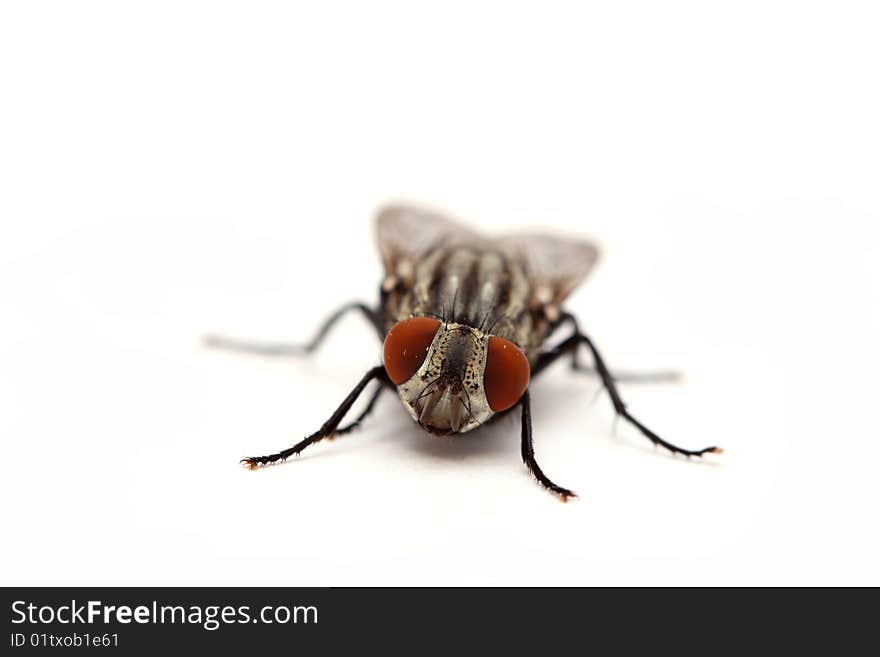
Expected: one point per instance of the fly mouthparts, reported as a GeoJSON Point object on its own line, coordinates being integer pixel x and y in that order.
{"type": "Point", "coordinates": [455, 413]}
{"type": "Point", "coordinates": [428, 404]}
{"type": "Point", "coordinates": [442, 410]}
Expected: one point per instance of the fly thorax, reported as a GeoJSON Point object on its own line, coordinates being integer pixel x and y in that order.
{"type": "Point", "coordinates": [446, 394]}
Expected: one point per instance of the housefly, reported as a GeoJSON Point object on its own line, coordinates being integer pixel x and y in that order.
{"type": "Point", "coordinates": [465, 320]}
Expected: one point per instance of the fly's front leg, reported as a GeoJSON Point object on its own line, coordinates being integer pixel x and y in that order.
{"type": "Point", "coordinates": [286, 349]}
{"type": "Point", "coordinates": [571, 344]}
{"type": "Point", "coordinates": [330, 426]}
{"type": "Point", "coordinates": [528, 453]}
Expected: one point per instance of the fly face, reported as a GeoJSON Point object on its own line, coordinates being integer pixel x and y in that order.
{"type": "Point", "coordinates": [445, 395]}
{"type": "Point", "coordinates": [452, 377]}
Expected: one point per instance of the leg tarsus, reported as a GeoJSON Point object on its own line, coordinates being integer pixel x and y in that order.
{"type": "Point", "coordinates": [657, 440]}
{"type": "Point", "coordinates": [631, 376]}
{"type": "Point", "coordinates": [528, 453]}
{"type": "Point", "coordinates": [253, 346]}
{"type": "Point", "coordinates": [327, 429]}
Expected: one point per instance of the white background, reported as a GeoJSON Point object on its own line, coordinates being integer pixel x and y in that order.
{"type": "Point", "coordinates": [171, 168]}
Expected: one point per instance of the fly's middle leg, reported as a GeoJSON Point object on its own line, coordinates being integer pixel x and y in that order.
{"type": "Point", "coordinates": [288, 349]}
{"type": "Point", "coordinates": [571, 344]}
{"type": "Point", "coordinates": [330, 427]}
{"type": "Point", "coordinates": [621, 376]}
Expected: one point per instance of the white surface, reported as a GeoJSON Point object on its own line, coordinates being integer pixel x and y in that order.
{"type": "Point", "coordinates": [189, 167]}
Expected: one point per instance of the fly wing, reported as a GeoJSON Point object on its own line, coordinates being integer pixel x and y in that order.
{"type": "Point", "coordinates": [554, 265]}
{"type": "Point", "coordinates": [407, 233]}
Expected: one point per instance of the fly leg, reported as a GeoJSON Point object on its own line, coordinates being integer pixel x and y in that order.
{"type": "Point", "coordinates": [351, 426]}
{"type": "Point", "coordinates": [329, 427]}
{"type": "Point", "coordinates": [528, 453]}
{"type": "Point", "coordinates": [621, 376]}
{"type": "Point", "coordinates": [608, 381]}
{"type": "Point", "coordinates": [287, 349]}
{"type": "Point", "coordinates": [631, 376]}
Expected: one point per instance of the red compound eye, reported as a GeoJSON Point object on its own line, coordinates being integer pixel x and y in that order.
{"type": "Point", "coordinates": [406, 347]}
{"type": "Point", "coordinates": [507, 374]}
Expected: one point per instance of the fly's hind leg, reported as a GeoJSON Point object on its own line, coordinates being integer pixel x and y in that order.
{"type": "Point", "coordinates": [329, 428]}
{"type": "Point", "coordinates": [634, 376]}
{"type": "Point", "coordinates": [287, 349]}
{"type": "Point", "coordinates": [570, 345]}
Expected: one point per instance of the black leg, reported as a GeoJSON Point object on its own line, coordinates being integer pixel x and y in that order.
{"type": "Point", "coordinates": [351, 426]}
{"type": "Point", "coordinates": [570, 345]}
{"type": "Point", "coordinates": [328, 428]}
{"type": "Point", "coordinates": [528, 453]}
{"type": "Point", "coordinates": [621, 376]}
{"type": "Point", "coordinates": [286, 349]}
